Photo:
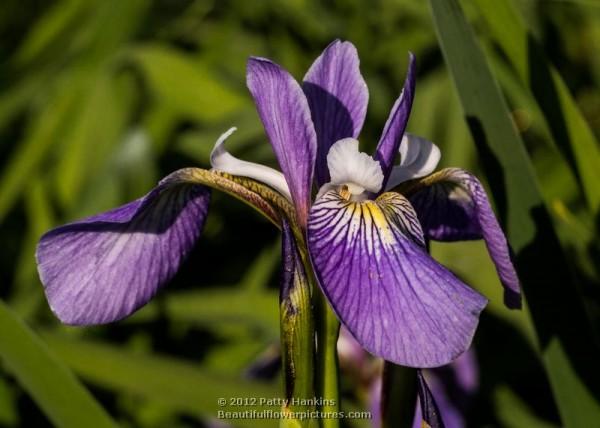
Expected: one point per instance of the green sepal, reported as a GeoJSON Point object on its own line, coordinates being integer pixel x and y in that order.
{"type": "Point", "coordinates": [262, 198]}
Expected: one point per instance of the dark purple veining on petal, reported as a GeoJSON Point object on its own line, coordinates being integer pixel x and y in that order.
{"type": "Point", "coordinates": [284, 111]}
{"type": "Point", "coordinates": [465, 212]}
{"type": "Point", "coordinates": [397, 301]}
{"type": "Point", "coordinates": [387, 149]}
{"type": "Point", "coordinates": [103, 268]}
{"type": "Point", "coordinates": [338, 96]}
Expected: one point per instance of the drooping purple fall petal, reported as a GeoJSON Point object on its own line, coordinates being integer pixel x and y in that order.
{"type": "Point", "coordinates": [390, 140]}
{"type": "Point", "coordinates": [397, 301]}
{"type": "Point", "coordinates": [446, 212]}
{"type": "Point", "coordinates": [456, 207]}
{"type": "Point", "coordinates": [103, 268]}
{"type": "Point", "coordinates": [338, 96]}
{"type": "Point", "coordinates": [283, 109]}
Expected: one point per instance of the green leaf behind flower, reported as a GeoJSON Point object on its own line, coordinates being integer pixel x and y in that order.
{"type": "Point", "coordinates": [569, 350]}
{"type": "Point", "coordinates": [64, 400]}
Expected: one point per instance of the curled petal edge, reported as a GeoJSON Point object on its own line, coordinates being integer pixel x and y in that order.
{"type": "Point", "coordinates": [453, 205]}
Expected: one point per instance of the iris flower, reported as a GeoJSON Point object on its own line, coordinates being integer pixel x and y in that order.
{"type": "Point", "coordinates": [363, 221]}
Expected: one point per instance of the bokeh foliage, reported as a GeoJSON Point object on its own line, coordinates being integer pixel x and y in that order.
{"type": "Point", "coordinates": [99, 99]}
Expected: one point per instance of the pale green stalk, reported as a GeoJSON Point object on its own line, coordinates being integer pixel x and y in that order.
{"type": "Point", "coordinates": [327, 381]}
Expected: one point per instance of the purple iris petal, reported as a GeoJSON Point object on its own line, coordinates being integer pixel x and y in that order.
{"type": "Point", "coordinates": [103, 268]}
{"type": "Point", "coordinates": [338, 96]}
{"type": "Point", "coordinates": [387, 149]}
{"type": "Point", "coordinates": [446, 212]}
{"type": "Point", "coordinates": [456, 208]}
{"type": "Point", "coordinates": [283, 109]}
{"type": "Point", "coordinates": [397, 301]}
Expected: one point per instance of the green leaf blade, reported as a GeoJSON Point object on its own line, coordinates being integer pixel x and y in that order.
{"type": "Point", "coordinates": [568, 349]}
{"type": "Point", "coordinates": [53, 387]}
{"type": "Point", "coordinates": [181, 385]}
{"type": "Point", "coordinates": [570, 132]}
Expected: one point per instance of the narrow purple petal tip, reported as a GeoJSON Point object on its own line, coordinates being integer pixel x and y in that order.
{"type": "Point", "coordinates": [103, 268]}
{"type": "Point", "coordinates": [390, 140]}
{"type": "Point", "coordinates": [284, 111]}
{"type": "Point", "coordinates": [429, 409]}
{"type": "Point", "coordinates": [338, 96]}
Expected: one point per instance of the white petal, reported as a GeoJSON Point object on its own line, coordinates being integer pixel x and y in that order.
{"type": "Point", "coordinates": [418, 157]}
{"type": "Point", "coordinates": [222, 160]}
{"type": "Point", "coordinates": [409, 149]}
{"type": "Point", "coordinates": [348, 166]}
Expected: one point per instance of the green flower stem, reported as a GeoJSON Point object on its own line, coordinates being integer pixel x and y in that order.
{"type": "Point", "coordinates": [297, 341]}
{"type": "Point", "coordinates": [327, 380]}
{"type": "Point", "coordinates": [398, 396]}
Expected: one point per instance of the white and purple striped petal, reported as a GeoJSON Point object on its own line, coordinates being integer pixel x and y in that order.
{"type": "Point", "coordinates": [103, 268]}
{"type": "Point", "coordinates": [338, 96]}
{"type": "Point", "coordinates": [399, 303]}
{"type": "Point", "coordinates": [390, 140]}
{"type": "Point", "coordinates": [283, 109]}
{"type": "Point", "coordinates": [456, 207]}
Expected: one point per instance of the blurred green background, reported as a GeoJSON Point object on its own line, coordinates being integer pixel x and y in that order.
{"type": "Point", "coordinates": [100, 99]}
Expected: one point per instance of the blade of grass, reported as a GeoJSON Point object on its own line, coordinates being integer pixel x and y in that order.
{"type": "Point", "coordinates": [184, 386]}
{"type": "Point", "coordinates": [32, 151]}
{"type": "Point", "coordinates": [217, 306]}
{"type": "Point", "coordinates": [53, 387]}
{"type": "Point", "coordinates": [569, 351]}
{"type": "Point", "coordinates": [570, 131]}
{"type": "Point", "coordinates": [185, 85]}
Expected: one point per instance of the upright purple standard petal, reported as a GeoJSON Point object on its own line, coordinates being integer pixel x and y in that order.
{"type": "Point", "coordinates": [456, 207]}
{"type": "Point", "coordinates": [390, 140]}
{"type": "Point", "coordinates": [338, 96]}
{"type": "Point", "coordinates": [103, 268]}
{"type": "Point", "coordinates": [284, 111]}
{"type": "Point", "coordinates": [397, 301]}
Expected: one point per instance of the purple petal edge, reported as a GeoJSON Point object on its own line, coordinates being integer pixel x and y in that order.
{"type": "Point", "coordinates": [284, 112]}
{"type": "Point", "coordinates": [469, 216]}
{"type": "Point", "coordinates": [105, 267]}
{"type": "Point", "coordinates": [390, 140]}
{"type": "Point", "coordinates": [337, 96]}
